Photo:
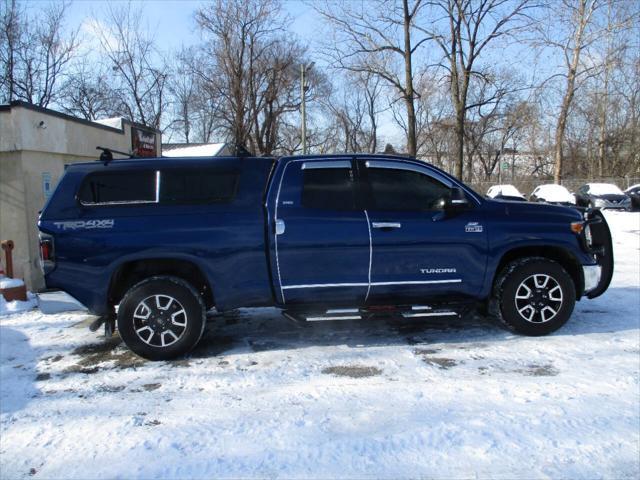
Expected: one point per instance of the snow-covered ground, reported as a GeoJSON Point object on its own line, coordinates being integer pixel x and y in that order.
{"type": "Point", "coordinates": [262, 397]}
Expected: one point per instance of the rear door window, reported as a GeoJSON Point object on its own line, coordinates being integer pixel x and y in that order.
{"type": "Point", "coordinates": [328, 188]}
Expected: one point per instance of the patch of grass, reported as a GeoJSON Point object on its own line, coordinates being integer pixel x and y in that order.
{"type": "Point", "coordinates": [440, 362]}
{"type": "Point", "coordinates": [535, 370]}
{"type": "Point", "coordinates": [352, 371]}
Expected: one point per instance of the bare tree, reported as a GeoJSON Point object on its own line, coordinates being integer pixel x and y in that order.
{"type": "Point", "coordinates": [463, 30]}
{"type": "Point", "coordinates": [251, 66]}
{"type": "Point", "coordinates": [379, 38]}
{"type": "Point", "coordinates": [87, 93]}
{"type": "Point", "coordinates": [139, 72]}
{"type": "Point", "coordinates": [355, 110]}
{"type": "Point", "coordinates": [34, 52]}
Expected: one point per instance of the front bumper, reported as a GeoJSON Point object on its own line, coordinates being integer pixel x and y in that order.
{"type": "Point", "coordinates": [592, 275]}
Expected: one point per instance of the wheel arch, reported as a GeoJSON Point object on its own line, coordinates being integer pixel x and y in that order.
{"type": "Point", "coordinates": [131, 272]}
{"type": "Point", "coordinates": [558, 254]}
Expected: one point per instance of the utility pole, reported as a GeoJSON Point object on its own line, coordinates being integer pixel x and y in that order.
{"type": "Point", "coordinates": [304, 86]}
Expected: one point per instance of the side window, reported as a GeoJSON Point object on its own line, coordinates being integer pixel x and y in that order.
{"type": "Point", "coordinates": [404, 190]}
{"type": "Point", "coordinates": [328, 188]}
{"type": "Point", "coordinates": [138, 186]}
{"type": "Point", "coordinates": [192, 187]}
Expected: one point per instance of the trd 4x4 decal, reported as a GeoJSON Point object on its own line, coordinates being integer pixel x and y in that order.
{"type": "Point", "coordinates": [85, 224]}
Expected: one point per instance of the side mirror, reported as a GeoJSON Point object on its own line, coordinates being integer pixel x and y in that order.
{"type": "Point", "coordinates": [456, 202]}
{"type": "Point", "coordinates": [459, 200]}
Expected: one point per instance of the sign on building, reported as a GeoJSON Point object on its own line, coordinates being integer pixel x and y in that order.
{"type": "Point", "coordinates": [143, 143]}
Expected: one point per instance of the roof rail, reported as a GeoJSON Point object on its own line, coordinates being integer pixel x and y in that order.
{"type": "Point", "coordinates": [107, 154]}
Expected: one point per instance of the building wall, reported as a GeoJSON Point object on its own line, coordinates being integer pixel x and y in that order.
{"type": "Point", "coordinates": [27, 151]}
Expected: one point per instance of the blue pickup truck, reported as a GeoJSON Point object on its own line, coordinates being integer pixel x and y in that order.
{"type": "Point", "coordinates": [161, 241]}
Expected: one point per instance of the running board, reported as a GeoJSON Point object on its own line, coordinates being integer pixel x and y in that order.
{"type": "Point", "coordinates": [415, 311]}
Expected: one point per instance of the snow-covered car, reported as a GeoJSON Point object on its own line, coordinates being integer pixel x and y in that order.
{"type": "Point", "coordinates": [552, 193]}
{"type": "Point", "coordinates": [505, 192]}
{"type": "Point", "coordinates": [602, 195]}
{"type": "Point", "coordinates": [634, 193]}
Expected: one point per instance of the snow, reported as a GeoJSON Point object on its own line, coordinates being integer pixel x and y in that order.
{"type": "Point", "coordinates": [554, 193]}
{"type": "Point", "coordinates": [206, 150]}
{"type": "Point", "coordinates": [506, 190]}
{"type": "Point", "coordinates": [263, 397]}
{"type": "Point", "coordinates": [604, 189]}
{"type": "Point", "coordinates": [7, 308]}
{"type": "Point", "coordinates": [6, 282]}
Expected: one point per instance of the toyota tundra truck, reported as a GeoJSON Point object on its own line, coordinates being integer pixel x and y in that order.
{"type": "Point", "coordinates": [150, 245]}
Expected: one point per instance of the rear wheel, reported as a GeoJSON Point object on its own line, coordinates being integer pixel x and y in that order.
{"type": "Point", "coordinates": [534, 296]}
{"type": "Point", "coordinates": [161, 318]}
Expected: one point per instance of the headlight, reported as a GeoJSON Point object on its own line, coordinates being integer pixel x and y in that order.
{"type": "Point", "coordinates": [599, 203]}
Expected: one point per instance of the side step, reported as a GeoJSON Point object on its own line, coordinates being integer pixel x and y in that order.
{"type": "Point", "coordinates": [415, 311]}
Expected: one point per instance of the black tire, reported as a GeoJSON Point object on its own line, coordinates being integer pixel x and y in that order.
{"type": "Point", "coordinates": [175, 317]}
{"type": "Point", "coordinates": [546, 313]}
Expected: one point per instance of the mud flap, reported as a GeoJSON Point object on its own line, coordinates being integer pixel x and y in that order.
{"type": "Point", "coordinates": [603, 251]}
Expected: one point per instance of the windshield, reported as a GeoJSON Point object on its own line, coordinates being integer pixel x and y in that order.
{"type": "Point", "coordinates": [604, 189]}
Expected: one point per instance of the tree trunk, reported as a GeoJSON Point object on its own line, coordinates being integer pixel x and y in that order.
{"type": "Point", "coordinates": [459, 147]}
{"type": "Point", "coordinates": [408, 73]}
{"type": "Point", "coordinates": [561, 126]}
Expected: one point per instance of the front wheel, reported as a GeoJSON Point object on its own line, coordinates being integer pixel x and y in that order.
{"type": "Point", "coordinates": [161, 318]}
{"type": "Point", "coordinates": [534, 296]}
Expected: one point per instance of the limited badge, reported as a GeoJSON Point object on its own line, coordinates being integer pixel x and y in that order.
{"type": "Point", "coordinates": [473, 227]}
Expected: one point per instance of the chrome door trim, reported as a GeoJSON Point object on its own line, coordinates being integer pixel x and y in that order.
{"type": "Point", "coordinates": [386, 164]}
{"type": "Point", "coordinates": [366, 214]}
{"type": "Point", "coordinates": [374, 284]}
{"type": "Point", "coordinates": [317, 165]}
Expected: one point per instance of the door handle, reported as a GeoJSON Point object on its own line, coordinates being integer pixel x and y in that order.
{"type": "Point", "coordinates": [280, 227]}
{"type": "Point", "coordinates": [386, 225]}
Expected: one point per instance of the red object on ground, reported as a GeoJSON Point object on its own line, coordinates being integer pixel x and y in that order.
{"type": "Point", "coordinates": [15, 293]}
{"type": "Point", "coordinates": [12, 293]}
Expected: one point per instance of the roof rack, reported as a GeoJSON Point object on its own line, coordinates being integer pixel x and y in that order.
{"type": "Point", "coordinates": [107, 154]}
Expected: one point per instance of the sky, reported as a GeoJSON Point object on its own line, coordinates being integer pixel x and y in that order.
{"type": "Point", "coordinates": [173, 21]}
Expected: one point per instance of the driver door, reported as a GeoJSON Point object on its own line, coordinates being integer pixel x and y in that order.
{"type": "Point", "coordinates": [417, 250]}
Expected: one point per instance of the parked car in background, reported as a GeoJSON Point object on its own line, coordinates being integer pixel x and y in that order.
{"type": "Point", "coordinates": [505, 192]}
{"type": "Point", "coordinates": [634, 194]}
{"type": "Point", "coordinates": [552, 193]}
{"type": "Point", "coordinates": [602, 195]}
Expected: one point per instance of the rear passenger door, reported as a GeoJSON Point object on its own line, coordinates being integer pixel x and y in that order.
{"type": "Point", "coordinates": [320, 235]}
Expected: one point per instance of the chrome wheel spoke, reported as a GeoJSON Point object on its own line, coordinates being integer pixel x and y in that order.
{"type": "Point", "coordinates": [540, 281]}
{"type": "Point", "coordinates": [557, 296]}
{"type": "Point", "coordinates": [530, 309]}
{"type": "Point", "coordinates": [169, 301]}
{"type": "Point", "coordinates": [164, 334]}
{"type": "Point", "coordinates": [547, 309]}
{"type": "Point", "coordinates": [527, 293]}
{"type": "Point", "coordinates": [145, 329]}
{"type": "Point", "coordinates": [142, 311]}
{"type": "Point", "coordinates": [176, 320]}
